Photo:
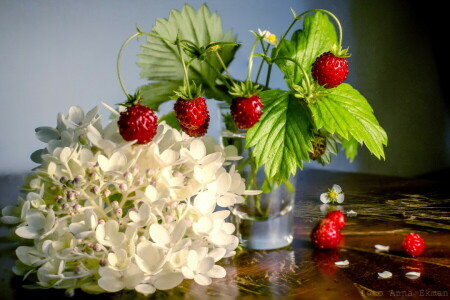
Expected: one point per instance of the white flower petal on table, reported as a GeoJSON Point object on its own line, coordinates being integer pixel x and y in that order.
{"type": "Point", "coordinates": [217, 272]}
{"type": "Point", "coordinates": [324, 198]}
{"type": "Point", "coordinates": [337, 189]}
{"type": "Point", "coordinates": [168, 281]}
{"type": "Point", "coordinates": [385, 275]}
{"type": "Point", "coordinates": [340, 198]}
{"type": "Point", "coordinates": [413, 275]}
{"type": "Point", "coordinates": [381, 247]}
{"type": "Point", "coordinates": [352, 213]}
{"type": "Point", "coordinates": [202, 279]}
{"type": "Point", "coordinates": [342, 263]}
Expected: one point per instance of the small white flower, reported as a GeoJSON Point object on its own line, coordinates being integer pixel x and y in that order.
{"type": "Point", "coordinates": [37, 224]}
{"type": "Point", "coordinates": [108, 234]}
{"type": "Point", "coordinates": [201, 267]}
{"type": "Point", "coordinates": [334, 195]}
{"type": "Point", "coordinates": [385, 275]}
{"type": "Point", "coordinates": [268, 36]}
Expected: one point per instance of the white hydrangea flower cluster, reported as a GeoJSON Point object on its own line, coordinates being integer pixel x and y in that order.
{"type": "Point", "coordinates": [103, 214]}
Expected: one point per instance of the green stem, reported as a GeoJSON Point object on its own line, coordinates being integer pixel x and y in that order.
{"type": "Point", "coordinates": [186, 76]}
{"type": "Point", "coordinates": [300, 67]}
{"type": "Point", "coordinates": [262, 61]}
{"type": "Point", "coordinates": [254, 182]}
{"type": "Point", "coordinates": [250, 59]}
{"type": "Point", "coordinates": [225, 79]}
{"type": "Point", "coordinates": [118, 62]}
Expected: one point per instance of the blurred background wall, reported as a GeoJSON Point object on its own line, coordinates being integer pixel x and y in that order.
{"type": "Point", "coordinates": [56, 54]}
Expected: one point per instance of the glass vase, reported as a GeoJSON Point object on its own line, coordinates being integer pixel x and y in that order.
{"type": "Point", "coordinates": [263, 221]}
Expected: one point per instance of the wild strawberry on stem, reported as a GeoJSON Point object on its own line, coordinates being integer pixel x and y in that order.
{"type": "Point", "coordinates": [137, 123]}
{"type": "Point", "coordinates": [190, 108]}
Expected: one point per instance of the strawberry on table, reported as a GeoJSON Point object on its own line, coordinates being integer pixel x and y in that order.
{"type": "Point", "coordinates": [413, 244]}
{"type": "Point", "coordinates": [337, 217]}
{"type": "Point", "coordinates": [326, 235]}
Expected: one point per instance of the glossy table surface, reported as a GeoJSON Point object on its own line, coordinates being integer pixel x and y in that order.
{"type": "Point", "coordinates": [387, 209]}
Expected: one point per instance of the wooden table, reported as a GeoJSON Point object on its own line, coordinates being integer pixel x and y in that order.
{"type": "Point", "coordinates": [388, 208]}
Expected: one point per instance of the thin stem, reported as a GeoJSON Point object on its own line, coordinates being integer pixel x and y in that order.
{"type": "Point", "coordinates": [250, 59]}
{"type": "Point", "coordinates": [262, 61]}
{"type": "Point", "coordinates": [118, 63]}
{"type": "Point", "coordinates": [225, 79]}
{"type": "Point", "coordinates": [299, 66]}
{"type": "Point", "coordinates": [186, 76]}
{"type": "Point", "coordinates": [223, 64]}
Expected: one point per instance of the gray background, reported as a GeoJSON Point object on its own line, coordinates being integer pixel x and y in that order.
{"type": "Point", "coordinates": [55, 54]}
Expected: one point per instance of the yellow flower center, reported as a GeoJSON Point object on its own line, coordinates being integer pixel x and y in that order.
{"type": "Point", "coordinates": [332, 195]}
{"type": "Point", "coordinates": [272, 38]}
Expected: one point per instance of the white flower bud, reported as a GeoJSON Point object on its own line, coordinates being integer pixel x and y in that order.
{"type": "Point", "coordinates": [95, 189]}
{"type": "Point", "coordinates": [123, 187]}
{"type": "Point", "coordinates": [101, 222]}
{"type": "Point", "coordinates": [115, 204]}
{"type": "Point", "coordinates": [106, 193]}
{"type": "Point", "coordinates": [77, 208]}
{"type": "Point", "coordinates": [118, 212]}
{"type": "Point", "coordinates": [97, 247]}
{"type": "Point", "coordinates": [140, 181]}
{"type": "Point", "coordinates": [128, 176]}
{"type": "Point", "coordinates": [70, 195]}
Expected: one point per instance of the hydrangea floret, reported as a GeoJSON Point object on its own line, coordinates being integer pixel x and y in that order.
{"type": "Point", "coordinates": [103, 214]}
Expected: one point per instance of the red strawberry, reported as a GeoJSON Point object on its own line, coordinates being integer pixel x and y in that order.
{"type": "Point", "coordinates": [191, 114]}
{"type": "Point", "coordinates": [329, 70]}
{"type": "Point", "coordinates": [246, 111]}
{"type": "Point", "coordinates": [326, 235]}
{"type": "Point", "coordinates": [413, 244]}
{"type": "Point", "coordinates": [201, 131]}
{"type": "Point", "coordinates": [337, 217]}
{"type": "Point", "coordinates": [139, 123]}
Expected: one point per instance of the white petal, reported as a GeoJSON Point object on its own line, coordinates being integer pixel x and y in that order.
{"type": "Point", "coordinates": [381, 247]}
{"type": "Point", "coordinates": [342, 263]}
{"type": "Point", "coordinates": [202, 279]}
{"type": "Point", "coordinates": [159, 234]}
{"type": "Point", "coordinates": [337, 189]}
{"type": "Point", "coordinates": [223, 183]}
{"type": "Point", "coordinates": [217, 272]}
{"type": "Point", "coordinates": [225, 201]}
{"type": "Point", "coordinates": [198, 149]}
{"type": "Point", "coordinates": [205, 265]}
{"type": "Point", "coordinates": [192, 260]}
{"type": "Point", "coordinates": [203, 225]}
{"type": "Point", "coordinates": [205, 202]}
{"type": "Point", "coordinates": [324, 198]}
{"type": "Point", "coordinates": [151, 193]}
{"type": "Point", "coordinates": [187, 273]}
{"type": "Point", "coordinates": [64, 155]}
{"type": "Point", "coordinates": [413, 275]}
{"type": "Point", "coordinates": [168, 281]}
{"type": "Point", "coordinates": [26, 232]}
{"type": "Point", "coordinates": [340, 198]}
{"type": "Point", "coordinates": [385, 275]}
{"type": "Point", "coordinates": [252, 192]}
{"type": "Point", "coordinates": [145, 289]}
{"type": "Point", "coordinates": [228, 228]}
{"type": "Point", "coordinates": [36, 220]}
{"type": "Point", "coordinates": [110, 284]}
{"type": "Point", "coordinates": [76, 114]}
{"type": "Point", "coordinates": [217, 253]}
{"type": "Point", "coordinates": [46, 134]}
{"type": "Point", "coordinates": [76, 228]}
{"type": "Point", "coordinates": [178, 232]}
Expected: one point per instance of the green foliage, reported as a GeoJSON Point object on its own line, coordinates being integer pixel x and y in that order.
{"type": "Point", "coordinates": [282, 137]}
{"type": "Point", "coordinates": [160, 59]}
{"type": "Point", "coordinates": [171, 120]}
{"type": "Point", "coordinates": [317, 36]}
{"type": "Point", "coordinates": [343, 110]}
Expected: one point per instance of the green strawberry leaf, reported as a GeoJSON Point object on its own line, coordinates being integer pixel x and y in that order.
{"type": "Point", "coordinates": [156, 93]}
{"type": "Point", "coordinates": [351, 148]}
{"type": "Point", "coordinates": [331, 149]}
{"type": "Point", "coordinates": [160, 59]}
{"type": "Point", "coordinates": [343, 110]}
{"type": "Point", "coordinates": [317, 36]}
{"type": "Point", "coordinates": [171, 120]}
{"type": "Point", "coordinates": [282, 137]}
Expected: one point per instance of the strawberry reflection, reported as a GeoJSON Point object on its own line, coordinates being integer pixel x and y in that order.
{"type": "Point", "coordinates": [325, 260]}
